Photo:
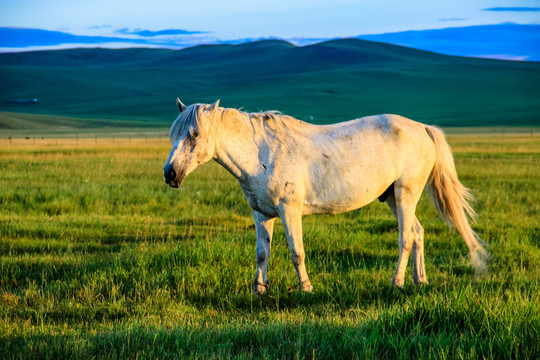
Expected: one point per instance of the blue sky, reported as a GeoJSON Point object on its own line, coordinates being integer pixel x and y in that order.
{"type": "Point", "coordinates": [248, 18]}
{"type": "Point", "coordinates": [208, 21]}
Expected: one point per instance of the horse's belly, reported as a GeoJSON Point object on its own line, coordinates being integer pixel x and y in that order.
{"type": "Point", "coordinates": [319, 209]}
{"type": "Point", "coordinates": [334, 200]}
{"type": "Point", "coordinates": [349, 173]}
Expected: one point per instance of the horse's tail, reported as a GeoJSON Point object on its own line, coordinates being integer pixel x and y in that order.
{"type": "Point", "coordinates": [452, 198]}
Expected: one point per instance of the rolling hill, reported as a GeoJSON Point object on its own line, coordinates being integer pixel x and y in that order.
{"type": "Point", "coordinates": [326, 82]}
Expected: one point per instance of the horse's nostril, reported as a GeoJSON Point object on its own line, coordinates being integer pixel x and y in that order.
{"type": "Point", "coordinates": [170, 174]}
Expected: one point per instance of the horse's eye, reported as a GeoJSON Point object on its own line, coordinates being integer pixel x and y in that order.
{"type": "Point", "coordinates": [195, 133]}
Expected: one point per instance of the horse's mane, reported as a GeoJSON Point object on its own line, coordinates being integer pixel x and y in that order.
{"type": "Point", "coordinates": [276, 124]}
{"type": "Point", "coordinates": [279, 126]}
{"type": "Point", "coordinates": [186, 122]}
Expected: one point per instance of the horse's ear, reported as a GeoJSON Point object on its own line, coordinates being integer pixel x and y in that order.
{"type": "Point", "coordinates": [181, 107]}
{"type": "Point", "coordinates": [214, 105]}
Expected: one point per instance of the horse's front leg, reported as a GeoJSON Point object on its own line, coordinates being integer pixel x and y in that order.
{"type": "Point", "coordinates": [292, 224]}
{"type": "Point", "coordinates": [264, 227]}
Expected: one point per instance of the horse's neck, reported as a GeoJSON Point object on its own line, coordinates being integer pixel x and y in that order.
{"type": "Point", "coordinates": [237, 150]}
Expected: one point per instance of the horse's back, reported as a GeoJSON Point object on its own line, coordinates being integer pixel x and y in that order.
{"type": "Point", "coordinates": [389, 125]}
{"type": "Point", "coordinates": [406, 142]}
{"type": "Point", "coordinates": [354, 162]}
{"type": "Point", "coordinates": [386, 135]}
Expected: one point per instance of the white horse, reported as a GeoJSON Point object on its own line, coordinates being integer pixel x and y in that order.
{"type": "Point", "coordinates": [289, 168]}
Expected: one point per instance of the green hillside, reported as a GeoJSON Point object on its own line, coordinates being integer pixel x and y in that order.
{"type": "Point", "coordinates": [327, 82]}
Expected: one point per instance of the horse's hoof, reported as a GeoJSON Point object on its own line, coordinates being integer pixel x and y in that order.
{"type": "Point", "coordinates": [259, 288]}
{"type": "Point", "coordinates": [305, 286]}
{"type": "Point", "coordinates": [420, 283]}
{"type": "Point", "coordinates": [398, 283]}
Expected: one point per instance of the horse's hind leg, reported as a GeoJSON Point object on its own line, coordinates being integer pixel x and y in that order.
{"type": "Point", "coordinates": [406, 198]}
{"type": "Point", "coordinates": [419, 271]}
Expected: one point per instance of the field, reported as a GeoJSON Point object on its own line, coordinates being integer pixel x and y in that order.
{"type": "Point", "coordinates": [100, 259]}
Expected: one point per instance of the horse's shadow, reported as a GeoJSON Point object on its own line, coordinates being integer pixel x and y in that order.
{"type": "Point", "coordinates": [341, 289]}
{"type": "Point", "coordinates": [319, 301]}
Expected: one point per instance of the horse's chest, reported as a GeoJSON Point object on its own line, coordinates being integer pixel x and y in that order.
{"type": "Point", "coordinates": [261, 196]}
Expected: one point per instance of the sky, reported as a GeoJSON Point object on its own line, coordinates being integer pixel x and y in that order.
{"type": "Point", "coordinates": [210, 21]}
{"type": "Point", "coordinates": [249, 18]}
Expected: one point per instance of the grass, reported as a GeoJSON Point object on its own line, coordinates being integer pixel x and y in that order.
{"type": "Point", "coordinates": [100, 259]}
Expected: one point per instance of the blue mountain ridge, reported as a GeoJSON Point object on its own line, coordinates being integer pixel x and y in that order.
{"type": "Point", "coordinates": [502, 41]}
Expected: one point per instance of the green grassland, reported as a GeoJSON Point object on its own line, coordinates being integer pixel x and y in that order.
{"type": "Point", "coordinates": [100, 259]}
{"type": "Point", "coordinates": [324, 83]}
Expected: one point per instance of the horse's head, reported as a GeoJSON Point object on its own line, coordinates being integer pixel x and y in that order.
{"type": "Point", "coordinates": [192, 141]}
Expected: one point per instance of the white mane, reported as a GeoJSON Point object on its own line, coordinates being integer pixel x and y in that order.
{"type": "Point", "coordinates": [186, 123]}
{"type": "Point", "coordinates": [273, 123]}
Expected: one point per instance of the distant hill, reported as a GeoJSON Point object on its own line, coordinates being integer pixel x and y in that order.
{"type": "Point", "coordinates": [501, 41]}
{"type": "Point", "coordinates": [507, 41]}
{"type": "Point", "coordinates": [325, 82]}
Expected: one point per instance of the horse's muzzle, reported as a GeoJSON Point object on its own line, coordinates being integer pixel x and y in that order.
{"type": "Point", "coordinates": [172, 184]}
{"type": "Point", "coordinates": [170, 176]}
